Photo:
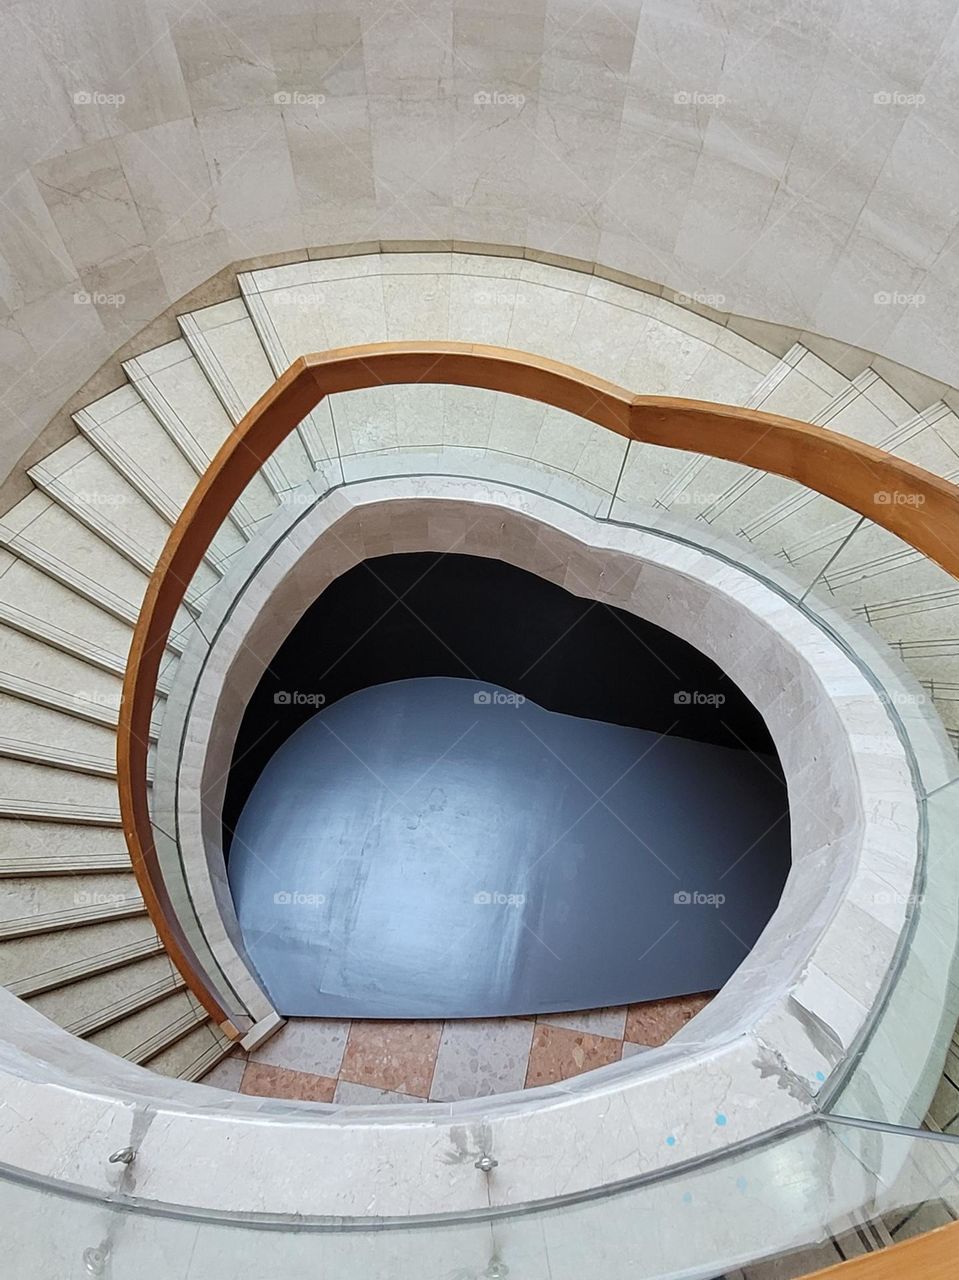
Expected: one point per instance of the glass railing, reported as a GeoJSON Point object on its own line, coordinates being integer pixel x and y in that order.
{"type": "Point", "coordinates": [842, 1186]}
{"type": "Point", "coordinates": [835, 1190]}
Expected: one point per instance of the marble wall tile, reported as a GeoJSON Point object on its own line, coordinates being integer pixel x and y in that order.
{"type": "Point", "coordinates": [225, 64]}
{"type": "Point", "coordinates": [169, 181]}
{"type": "Point", "coordinates": [413, 145]}
{"type": "Point", "coordinates": [332, 160]}
{"type": "Point", "coordinates": [138, 58]}
{"type": "Point", "coordinates": [45, 122]}
{"type": "Point", "coordinates": [92, 206]}
{"type": "Point", "coordinates": [319, 53]}
{"type": "Point", "coordinates": [29, 239]}
{"type": "Point", "coordinates": [249, 163]}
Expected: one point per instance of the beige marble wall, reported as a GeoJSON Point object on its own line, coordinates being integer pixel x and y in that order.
{"type": "Point", "coordinates": [775, 164]}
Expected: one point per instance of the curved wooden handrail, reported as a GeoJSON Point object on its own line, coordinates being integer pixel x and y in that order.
{"type": "Point", "coordinates": [921, 508]}
{"type": "Point", "coordinates": [934, 1255]}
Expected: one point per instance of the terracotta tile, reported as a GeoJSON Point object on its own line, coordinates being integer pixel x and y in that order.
{"type": "Point", "coordinates": [398, 1056]}
{"type": "Point", "coordinates": [280, 1082]}
{"type": "Point", "coordinates": [657, 1021]}
{"type": "Point", "coordinates": [559, 1053]}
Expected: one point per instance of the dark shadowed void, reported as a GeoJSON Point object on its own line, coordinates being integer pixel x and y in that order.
{"type": "Point", "coordinates": [400, 617]}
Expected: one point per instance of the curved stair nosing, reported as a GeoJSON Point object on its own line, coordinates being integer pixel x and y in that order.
{"type": "Point", "coordinates": [131, 1004]}
{"type": "Point", "coordinates": [57, 700]}
{"type": "Point", "coordinates": [66, 642]}
{"type": "Point", "coordinates": [207, 1061]}
{"type": "Point", "coordinates": [195, 338]}
{"type": "Point", "coordinates": [58, 758]}
{"type": "Point", "coordinates": [71, 918]}
{"type": "Point", "coordinates": [63, 864]}
{"type": "Point", "coordinates": [145, 485]}
{"type": "Point", "coordinates": [179, 433]}
{"type": "Point", "coordinates": [87, 967]}
{"type": "Point", "coordinates": [167, 1037]}
{"type": "Point", "coordinates": [50, 811]}
{"type": "Point", "coordinates": [98, 523]}
{"type": "Point", "coordinates": [94, 592]}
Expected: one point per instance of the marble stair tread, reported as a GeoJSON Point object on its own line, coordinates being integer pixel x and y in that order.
{"type": "Point", "coordinates": [122, 428]}
{"type": "Point", "coordinates": [40, 840]}
{"type": "Point", "coordinates": [82, 481]}
{"type": "Point", "coordinates": [282, 348]}
{"type": "Point", "coordinates": [44, 895]}
{"type": "Point", "coordinates": [70, 918]}
{"type": "Point", "coordinates": [78, 702]}
{"type": "Point", "coordinates": [33, 602]}
{"type": "Point", "coordinates": [30, 659]}
{"type": "Point", "coordinates": [42, 962]}
{"type": "Point", "coordinates": [29, 789]}
{"type": "Point", "coordinates": [191, 1056]}
{"type": "Point", "coordinates": [53, 541]}
{"type": "Point", "coordinates": [143, 1035]}
{"type": "Point", "coordinates": [174, 386]}
{"type": "Point", "coordinates": [99, 1000]}
{"type": "Point", "coordinates": [225, 343]}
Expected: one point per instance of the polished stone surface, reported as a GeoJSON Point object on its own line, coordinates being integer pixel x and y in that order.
{"type": "Point", "coordinates": [774, 168]}
{"type": "Point", "coordinates": [438, 848]}
{"type": "Point", "coordinates": [368, 1061]}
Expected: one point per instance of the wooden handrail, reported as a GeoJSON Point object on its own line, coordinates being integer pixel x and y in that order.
{"type": "Point", "coordinates": [921, 508]}
{"type": "Point", "coordinates": [934, 1255]}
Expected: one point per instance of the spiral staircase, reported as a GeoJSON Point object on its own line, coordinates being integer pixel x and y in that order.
{"type": "Point", "coordinates": [76, 553]}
